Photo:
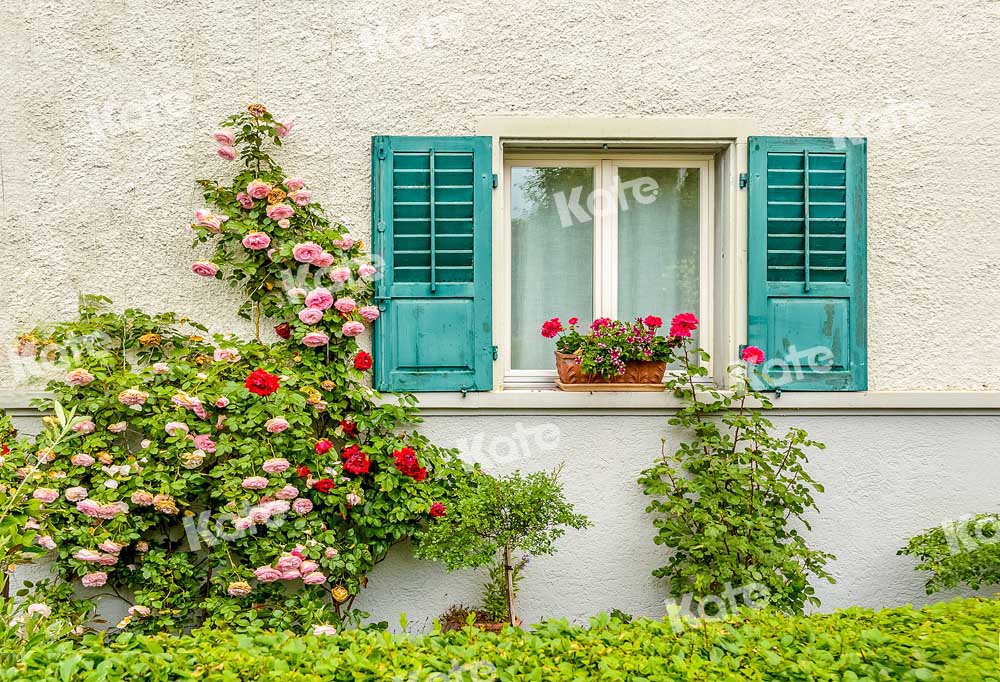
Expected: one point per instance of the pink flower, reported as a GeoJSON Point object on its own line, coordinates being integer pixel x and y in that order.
{"type": "Point", "coordinates": [142, 498]}
{"type": "Point", "coordinates": [683, 324]}
{"type": "Point", "coordinates": [139, 611]}
{"type": "Point", "coordinates": [258, 189]}
{"type": "Point", "coordinates": [204, 442]}
{"type": "Point", "coordinates": [294, 183]}
{"type": "Point", "coordinates": [254, 483]}
{"type": "Point", "coordinates": [306, 252]}
{"type": "Point", "coordinates": [315, 339]}
{"type": "Point", "coordinates": [243, 523]}
{"type": "Point", "coordinates": [752, 355]}
{"type": "Point", "coordinates": [310, 315]}
{"type": "Point", "coordinates": [352, 328]}
{"type": "Point", "coordinates": [133, 397]}
{"type": "Point", "coordinates": [75, 494]}
{"type": "Point", "coordinates": [340, 274]}
{"type": "Point", "coordinates": [352, 499]}
{"type": "Point", "coordinates": [161, 368]}
{"type": "Point", "coordinates": [302, 506]}
{"type": "Point", "coordinates": [266, 574]}
{"type": "Point", "coordinates": [79, 377]}
{"type": "Point", "coordinates": [279, 211]}
{"type": "Point", "coordinates": [239, 589]}
{"type": "Point", "coordinates": [295, 294]}
{"type": "Point", "coordinates": [246, 201]}
{"type": "Point", "coordinates": [46, 495]}
{"type": "Point", "coordinates": [255, 241]}
{"type": "Point", "coordinates": [308, 567]}
{"type": "Point", "coordinates": [277, 507]}
{"type": "Point", "coordinates": [369, 312]}
{"type": "Point", "coordinates": [118, 427]}
{"type": "Point", "coordinates": [282, 128]}
{"type": "Point", "coordinates": [319, 298]}
{"type": "Point", "coordinates": [46, 542]}
{"type": "Point", "coordinates": [226, 152]}
{"type": "Point", "coordinates": [39, 610]}
{"type": "Point", "coordinates": [85, 427]}
{"type": "Point", "coordinates": [108, 560]}
{"type": "Point", "coordinates": [204, 268]}
{"type": "Point", "coordinates": [111, 547]}
{"type": "Point", "coordinates": [206, 218]}
{"type": "Point", "coordinates": [82, 460]}
{"type": "Point", "coordinates": [284, 223]}
{"type": "Point", "coordinates": [320, 630]}
{"type": "Point", "coordinates": [222, 403]}
{"type": "Point", "coordinates": [330, 552]}
{"type": "Point", "coordinates": [289, 492]}
{"type": "Point", "coordinates": [366, 270]}
{"type": "Point", "coordinates": [301, 197]}
{"type": "Point", "coordinates": [176, 428]}
{"type": "Point", "coordinates": [323, 260]}
{"type": "Point", "coordinates": [275, 465]}
{"type": "Point", "coordinates": [288, 562]}
{"type": "Point", "coordinates": [345, 244]}
{"type": "Point", "coordinates": [226, 355]}
{"type": "Point", "coordinates": [315, 578]}
{"type": "Point", "coordinates": [224, 137]}
{"type": "Point", "coordinates": [96, 579]}
{"type": "Point", "coordinates": [87, 556]}
{"type": "Point", "coordinates": [345, 305]}
{"type": "Point", "coordinates": [291, 574]}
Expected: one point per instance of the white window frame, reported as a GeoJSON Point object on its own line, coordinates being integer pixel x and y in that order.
{"type": "Point", "coordinates": [606, 166]}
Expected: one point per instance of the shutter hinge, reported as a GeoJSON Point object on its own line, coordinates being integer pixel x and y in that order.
{"type": "Point", "coordinates": [496, 352]}
{"type": "Point", "coordinates": [496, 181]}
{"type": "Point", "coordinates": [381, 226]}
{"type": "Point", "coordinates": [381, 153]}
{"type": "Point", "coordinates": [465, 391]}
{"type": "Point", "coordinates": [744, 180]}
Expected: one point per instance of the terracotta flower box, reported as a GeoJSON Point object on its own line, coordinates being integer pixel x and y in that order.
{"type": "Point", "coordinates": [638, 376]}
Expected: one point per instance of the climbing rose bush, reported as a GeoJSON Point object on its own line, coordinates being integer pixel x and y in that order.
{"type": "Point", "coordinates": [210, 479]}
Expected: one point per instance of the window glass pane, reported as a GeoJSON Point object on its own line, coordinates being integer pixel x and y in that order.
{"type": "Point", "coordinates": [658, 237]}
{"type": "Point", "coordinates": [552, 255]}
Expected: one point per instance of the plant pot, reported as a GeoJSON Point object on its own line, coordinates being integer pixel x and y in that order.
{"type": "Point", "coordinates": [638, 376]}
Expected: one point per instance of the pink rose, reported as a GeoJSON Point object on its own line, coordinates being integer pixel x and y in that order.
{"type": "Point", "coordinates": [118, 427]}
{"type": "Point", "coordinates": [204, 442]}
{"type": "Point", "coordinates": [75, 494]}
{"type": "Point", "coordinates": [206, 218]}
{"type": "Point", "coordinates": [315, 339]}
{"type": "Point", "coordinates": [314, 578]}
{"type": "Point", "coordinates": [279, 211]}
{"type": "Point", "coordinates": [366, 270]}
{"type": "Point", "coordinates": [85, 427]}
{"type": "Point", "coordinates": [323, 260]}
{"type": "Point", "coordinates": [82, 460]}
{"type": "Point", "coordinates": [238, 589]}
{"type": "Point", "coordinates": [111, 547]}
{"type": "Point", "coordinates": [277, 507]}
{"type": "Point", "coordinates": [319, 298]}
{"type": "Point", "coordinates": [258, 189]}
{"type": "Point", "coordinates": [254, 483]}
{"type": "Point", "coordinates": [291, 574]}
{"type": "Point", "coordinates": [243, 523]}
{"type": "Point", "coordinates": [224, 137]}
{"type": "Point", "coordinates": [352, 328]}
{"type": "Point", "coordinates": [255, 241]}
{"type": "Point", "coordinates": [39, 610]}
{"type": "Point", "coordinates": [222, 403]}
{"type": "Point", "coordinates": [284, 224]}
{"type": "Point", "coordinates": [96, 579]}
{"type": "Point", "coordinates": [289, 492]}
{"type": "Point", "coordinates": [226, 355]}
{"type": "Point", "coordinates": [79, 377]}
{"type": "Point", "coordinates": [345, 305]}
{"type": "Point", "coordinates": [176, 428]}
{"type": "Point", "coordinates": [340, 274]}
{"type": "Point", "coordinates": [369, 312]}
{"type": "Point", "coordinates": [310, 315]}
{"type": "Point", "coordinates": [276, 425]}
{"type": "Point", "coordinates": [296, 294]}
{"type": "Point", "coordinates": [108, 560]}
{"type": "Point", "coordinates": [301, 197]}
{"type": "Point", "coordinates": [204, 268]}
{"type": "Point", "coordinates": [324, 629]}
{"type": "Point", "coordinates": [288, 562]}
{"type": "Point", "coordinates": [46, 542]}
{"type": "Point", "coordinates": [302, 506]}
{"type": "Point", "coordinates": [330, 552]}
{"type": "Point", "coordinates": [306, 252]}
{"type": "Point", "coordinates": [139, 611]}
{"type": "Point", "coordinates": [133, 397]}
{"type": "Point", "coordinates": [266, 574]}
{"type": "Point", "coordinates": [294, 183]}
{"type": "Point", "coordinates": [282, 128]}
{"type": "Point", "coordinates": [87, 556]}
{"type": "Point", "coordinates": [161, 368]}
{"type": "Point", "coordinates": [226, 152]}
{"type": "Point", "coordinates": [260, 514]}
{"type": "Point", "coordinates": [46, 495]}
{"type": "Point", "coordinates": [246, 201]}
{"type": "Point", "coordinates": [346, 243]}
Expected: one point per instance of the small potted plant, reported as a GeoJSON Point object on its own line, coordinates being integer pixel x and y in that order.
{"type": "Point", "coordinates": [614, 355]}
{"type": "Point", "coordinates": [499, 522]}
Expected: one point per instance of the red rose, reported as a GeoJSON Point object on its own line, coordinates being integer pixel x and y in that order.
{"type": "Point", "coordinates": [4, 450]}
{"type": "Point", "coordinates": [653, 321]}
{"type": "Point", "coordinates": [324, 485]}
{"type": "Point", "coordinates": [551, 328]}
{"type": "Point", "coordinates": [284, 330]}
{"type": "Point", "coordinates": [357, 464]}
{"type": "Point", "coordinates": [303, 471]}
{"type": "Point", "coordinates": [350, 451]}
{"type": "Point", "coordinates": [437, 509]}
{"type": "Point", "coordinates": [573, 320]}
{"type": "Point", "coordinates": [349, 427]}
{"type": "Point", "coordinates": [406, 462]}
{"type": "Point", "coordinates": [322, 447]}
{"type": "Point", "coordinates": [752, 355]}
{"type": "Point", "coordinates": [261, 383]}
{"type": "Point", "coordinates": [683, 324]}
{"type": "Point", "coordinates": [362, 361]}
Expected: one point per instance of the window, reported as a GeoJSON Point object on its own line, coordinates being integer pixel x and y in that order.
{"type": "Point", "coordinates": [590, 236]}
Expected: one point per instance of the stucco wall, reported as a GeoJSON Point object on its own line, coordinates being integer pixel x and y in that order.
{"type": "Point", "coordinates": [107, 106]}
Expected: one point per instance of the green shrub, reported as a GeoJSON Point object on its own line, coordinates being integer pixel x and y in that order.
{"type": "Point", "coordinates": [963, 552]}
{"type": "Point", "coordinates": [952, 641]}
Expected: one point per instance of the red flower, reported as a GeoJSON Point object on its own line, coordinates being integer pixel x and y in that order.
{"type": "Point", "coordinates": [406, 462]}
{"type": "Point", "coordinates": [357, 464]}
{"type": "Point", "coordinates": [362, 361]}
{"type": "Point", "coordinates": [261, 383]}
{"type": "Point", "coordinates": [324, 485]}
{"type": "Point", "coordinates": [683, 324]}
{"type": "Point", "coordinates": [753, 355]}
{"type": "Point", "coordinates": [551, 328]}
{"type": "Point", "coordinates": [600, 322]}
{"type": "Point", "coordinates": [653, 321]}
{"type": "Point", "coordinates": [322, 447]}
{"type": "Point", "coordinates": [4, 450]}
{"type": "Point", "coordinates": [573, 320]}
{"type": "Point", "coordinates": [437, 509]}
{"type": "Point", "coordinates": [350, 451]}
{"type": "Point", "coordinates": [349, 427]}
{"type": "Point", "coordinates": [302, 471]}
{"type": "Point", "coordinates": [284, 330]}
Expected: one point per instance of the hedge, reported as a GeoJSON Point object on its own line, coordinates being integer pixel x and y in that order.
{"type": "Point", "coordinates": [954, 640]}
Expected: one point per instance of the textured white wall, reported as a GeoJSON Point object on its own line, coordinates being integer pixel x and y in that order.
{"type": "Point", "coordinates": [107, 106]}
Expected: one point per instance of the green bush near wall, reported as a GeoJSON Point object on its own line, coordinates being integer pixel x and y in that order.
{"type": "Point", "coordinates": [954, 640]}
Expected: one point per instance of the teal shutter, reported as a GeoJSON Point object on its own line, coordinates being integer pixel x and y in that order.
{"type": "Point", "coordinates": [807, 269]}
{"type": "Point", "coordinates": [431, 226]}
